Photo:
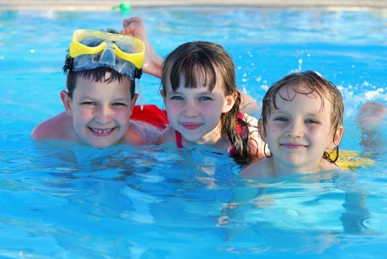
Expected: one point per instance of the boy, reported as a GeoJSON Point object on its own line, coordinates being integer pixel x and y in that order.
{"type": "Point", "coordinates": [101, 68]}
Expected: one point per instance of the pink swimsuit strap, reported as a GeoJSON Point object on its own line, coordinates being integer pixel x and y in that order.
{"type": "Point", "coordinates": [239, 129]}
{"type": "Point", "coordinates": [178, 139]}
{"type": "Point", "coordinates": [238, 126]}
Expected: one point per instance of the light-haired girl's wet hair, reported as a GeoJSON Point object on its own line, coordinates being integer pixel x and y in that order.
{"type": "Point", "coordinates": [198, 62]}
{"type": "Point", "coordinates": [307, 83]}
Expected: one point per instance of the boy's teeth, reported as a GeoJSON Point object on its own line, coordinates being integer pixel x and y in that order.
{"type": "Point", "coordinates": [102, 131]}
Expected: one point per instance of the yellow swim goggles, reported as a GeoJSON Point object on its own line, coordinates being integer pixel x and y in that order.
{"type": "Point", "coordinates": [91, 49]}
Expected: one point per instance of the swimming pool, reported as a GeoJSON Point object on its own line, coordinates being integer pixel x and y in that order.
{"type": "Point", "coordinates": [60, 200]}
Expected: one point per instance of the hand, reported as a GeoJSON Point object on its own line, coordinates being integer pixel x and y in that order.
{"type": "Point", "coordinates": [135, 27]}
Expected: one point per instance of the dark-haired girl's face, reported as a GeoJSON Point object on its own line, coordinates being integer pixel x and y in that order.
{"type": "Point", "coordinates": [196, 112]}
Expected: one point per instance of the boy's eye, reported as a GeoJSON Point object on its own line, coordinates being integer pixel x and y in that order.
{"type": "Point", "coordinates": [89, 103]}
{"type": "Point", "coordinates": [177, 98]}
{"type": "Point", "coordinates": [119, 104]}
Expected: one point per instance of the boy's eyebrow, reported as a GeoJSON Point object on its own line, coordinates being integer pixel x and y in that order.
{"type": "Point", "coordinates": [85, 96]}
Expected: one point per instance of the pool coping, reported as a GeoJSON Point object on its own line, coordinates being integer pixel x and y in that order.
{"type": "Point", "coordinates": [101, 5]}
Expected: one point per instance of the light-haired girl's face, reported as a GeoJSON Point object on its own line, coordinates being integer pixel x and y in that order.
{"type": "Point", "coordinates": [299, 131]}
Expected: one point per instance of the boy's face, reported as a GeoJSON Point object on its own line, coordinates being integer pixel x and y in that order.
{"type": "Point", "coordinates": [100, 111]}
{"type": "Point", "coordinates": [299, 131]}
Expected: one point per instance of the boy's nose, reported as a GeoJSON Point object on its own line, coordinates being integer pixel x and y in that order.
{"type": "Point", "coordinates": [103, 115]}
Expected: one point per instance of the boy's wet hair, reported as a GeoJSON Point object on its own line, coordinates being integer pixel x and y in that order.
{"type": "Point", "coordinates": [97, 74]}
{"type": "Point", "coordinates": [198, 63]}
{"type": "Point", "coordinates": [307, 83]}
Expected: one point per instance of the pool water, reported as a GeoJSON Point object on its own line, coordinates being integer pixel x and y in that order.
{"type": "Point", "coordinates": [62, 200]}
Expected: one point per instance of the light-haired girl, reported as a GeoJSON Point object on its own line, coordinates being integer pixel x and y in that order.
{"type": "Point", "coordinates": [201, 97]}
{"type": "Point", "coordinates": [302, 117]}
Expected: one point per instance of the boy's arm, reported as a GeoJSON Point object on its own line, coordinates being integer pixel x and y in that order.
{"type": "Point", "coordinates": [153, 63]}
{"type": "Point", "coordinates": [249, 105]}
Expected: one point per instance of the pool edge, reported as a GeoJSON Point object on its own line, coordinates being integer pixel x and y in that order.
{"type": "Point", "coordinates": [100, 5]}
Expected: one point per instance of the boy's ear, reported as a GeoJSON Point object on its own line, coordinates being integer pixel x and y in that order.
{"type": "Point", "coordinates": [337, 136]}
{"type": "Point", "coordinates": [229, 102]}
{"type": "Point", "coordinates": [162, 93]}
{"type": "Point", "coordinates": [261, 130]}
{"type": "Point", "coordinates": [133, 103]}
{"type": "Point", "coordinates": [66, 102]}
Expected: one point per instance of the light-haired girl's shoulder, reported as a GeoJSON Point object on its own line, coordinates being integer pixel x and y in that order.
{"type": "Point", "coordinates": [326, 165]}
{"type": "Point", "coordinates": [258, 169]}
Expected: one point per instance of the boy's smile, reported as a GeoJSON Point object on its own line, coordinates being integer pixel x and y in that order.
{"type": "Point", "coordinates": [100, 111]}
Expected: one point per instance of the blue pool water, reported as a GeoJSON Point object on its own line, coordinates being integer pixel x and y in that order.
{"type": "Point", "coordinates": [61, 200]}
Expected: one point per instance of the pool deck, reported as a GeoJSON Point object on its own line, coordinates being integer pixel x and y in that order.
{"type": "Point", "coordinates": [106, 5]}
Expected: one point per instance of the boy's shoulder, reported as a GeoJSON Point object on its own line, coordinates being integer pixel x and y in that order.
{"type": "Point", "coordinates": [57, 127]}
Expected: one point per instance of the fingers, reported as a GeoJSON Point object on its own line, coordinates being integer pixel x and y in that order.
{"type": "Point", "coordinates": [128, 21]}
{"type": "Point", "coordinates": [127, 31]}
{"type": "Point", "coordinates": [133, 26]}
{"type": "Point", "coordinates": [131, 20]}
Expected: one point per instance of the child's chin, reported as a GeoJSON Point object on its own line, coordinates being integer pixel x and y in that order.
{"type": "Point", "coordinates": [101, 145]}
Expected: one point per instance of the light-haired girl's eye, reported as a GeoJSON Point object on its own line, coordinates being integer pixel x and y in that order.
{"type": "Point", "coordinates": [310, 121]}
{"type": "Point", "coordinates": [205, 98]}
{"type": "Point", "coordinates": [284, 119]}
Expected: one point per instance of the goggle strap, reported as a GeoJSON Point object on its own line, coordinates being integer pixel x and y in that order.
{"type": "Point", "coordinates": [138, 73]}
{"type": "Point", "coordinates": [69, 61]}
{"type": "Point", "coordinates": [140, 94]}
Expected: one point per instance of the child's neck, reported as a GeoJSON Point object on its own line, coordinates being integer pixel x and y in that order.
{"type": "Point", "coordinates": [281, 169]}
{"type": "Point", "coordinates": [213, 139]}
